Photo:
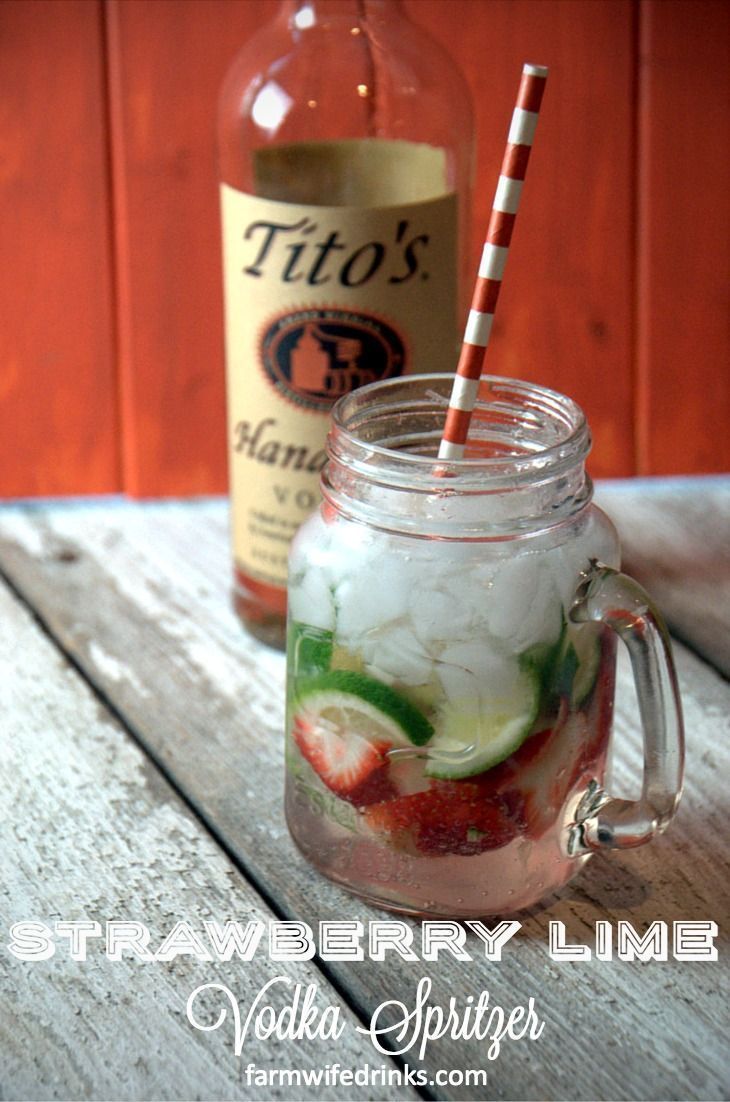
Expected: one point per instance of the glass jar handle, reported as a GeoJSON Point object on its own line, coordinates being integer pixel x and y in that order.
{"type": "Point", "coordinates": [604, 822]}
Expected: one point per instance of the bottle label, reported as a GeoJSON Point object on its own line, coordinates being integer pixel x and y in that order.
{"type": "Point", "coordinates": [319, 300]}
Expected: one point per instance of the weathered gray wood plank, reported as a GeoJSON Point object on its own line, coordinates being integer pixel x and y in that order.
{"type": "Point", "coordinates": [139, 595]}
{"type": "Point", "coordinates": [676, 541]}
{"type": "Point", "coordinates": [90, 830]}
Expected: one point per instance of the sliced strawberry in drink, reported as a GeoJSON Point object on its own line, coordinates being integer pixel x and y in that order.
{"type": "Point", "coordinates": [526, 789]}
{"type": "Point", "coordinates": [528, 784]}
{"type": "Point", "coordinates": [513, 801]}
{"type": "Point", "coordinates": [354, 768]}
{"type": "Point", "coordinates": [538, 814]}
{"type": "Point", "coordinates": [532, 747]}
{"type": "Point", "coordinates": [345, 725]}
{"type": "Point", "coordinates": [549, 780]}
{"type": "Point", "coordinates": [580, 749]}
{"type": "Point", "coordinates": [450, 817]}
{"type": "Point", "coordinates": [489, 821]}
{"type": "Point", "coordinates": [466, 824]}
{"type": "Point", "coordinates": [508, 773]}
{"type": "Point", "coordinates": [395, 817]}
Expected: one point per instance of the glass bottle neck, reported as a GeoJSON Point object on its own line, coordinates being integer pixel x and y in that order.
{"type": "Point", "coordinates": [309, 12]}
{"type": "Point", "coordinates": [526, 472]}
{"type": "Point", "coordinates": [304, 15]}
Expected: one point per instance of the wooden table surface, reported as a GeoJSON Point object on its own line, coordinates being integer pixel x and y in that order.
{"type": "Point", "coordinates": [141, 752]}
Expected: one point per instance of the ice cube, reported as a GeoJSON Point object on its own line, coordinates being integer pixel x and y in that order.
{"type": "Point", "coordinates": [396, 653]}
{"type": "Point", "coordinates": [449, 590]}
{"type": "Point", "coordinates": [354, 550]}
{"type": "Point", "coordinates": [524, 607]}
{"type": "Point", "coordinates": [439, 615]}
{"type": "Point", "coordinates": [564, 566]}
{"type": "Point", "coordinates": [310, 546]}
{"type": "Point", "coordinates": [478, 669]}
{"type": "Point", "coordinates": [311, 601]}
{"type": "Point", "coordinates": [372, 596]}
{"type": "Point", "coordinates": [459, 684]}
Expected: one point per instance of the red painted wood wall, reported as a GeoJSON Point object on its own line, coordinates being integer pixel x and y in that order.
{"type": "Point", "coordinates": [111, 365]}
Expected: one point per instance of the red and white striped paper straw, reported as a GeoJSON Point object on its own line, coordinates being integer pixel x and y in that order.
{"type": "Point", "coordinates": [494, 257]}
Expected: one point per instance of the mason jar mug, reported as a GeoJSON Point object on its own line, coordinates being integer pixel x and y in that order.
{"type": "Point", "coordinates": [451, 657]}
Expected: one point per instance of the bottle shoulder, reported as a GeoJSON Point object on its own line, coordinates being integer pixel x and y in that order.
{"type": "Point", "coordinates": [391, 80]}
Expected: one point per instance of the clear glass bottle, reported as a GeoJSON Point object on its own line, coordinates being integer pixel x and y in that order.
{"type": "Point", "coordinates": [346, 156]}
{"type": "Point", "coordinates": [451, 657]}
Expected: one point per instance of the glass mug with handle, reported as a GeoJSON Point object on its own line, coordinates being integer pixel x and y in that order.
{"type": "Point", "coordinates": [451, 657]}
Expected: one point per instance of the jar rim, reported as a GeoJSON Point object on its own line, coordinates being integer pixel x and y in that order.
{"type": "Point", "coordinates": [535, 410]}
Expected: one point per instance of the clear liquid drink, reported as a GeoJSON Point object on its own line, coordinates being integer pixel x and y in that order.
{"type": "Point", "coordinates": [449, 715]}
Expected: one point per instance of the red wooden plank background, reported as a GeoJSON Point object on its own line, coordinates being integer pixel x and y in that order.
{"type": "Point", "coordinates": [617, 274]}
{"type": "Point", "coordinates": [58, 406]}
{"type": "Point", "coordinates": [167, 60]}
{"type": "Point", "coordinates": [684, 237]}
{"type": "Point", "coordinates": [565, 316]}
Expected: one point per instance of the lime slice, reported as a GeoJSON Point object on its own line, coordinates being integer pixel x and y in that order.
{"type": "Point", "coordinates": [544, 660]}
{"type": "Point", "coordinates": [573, 668]}
{"type": "Point", "coordinates": [474, 735]}
{"type": "Point", "coordinates": [585, 642]}
{"type": "Point", "coordinates": [344, 659]}
{"type": "Point", "coordinates": [352, 701]}
{"type": "Point", "coordinates": [310, 648]}
{"type": "Point", "coordinates": [425, 697]}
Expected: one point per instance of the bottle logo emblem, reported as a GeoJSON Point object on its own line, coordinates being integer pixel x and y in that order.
{"type": "Point", "coordinates": [313, 356]}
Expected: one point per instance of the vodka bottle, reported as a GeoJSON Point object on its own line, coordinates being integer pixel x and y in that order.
{"type": "Point", "coordinates": [346, 150]}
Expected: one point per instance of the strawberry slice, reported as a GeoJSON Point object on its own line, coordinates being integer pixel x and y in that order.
{"type": "Point", "coordinates": [507, 774]}
{"type": "Point", "coordinates": [353, 767]}
{"type": "Point", "coordinates": [522, 784]}
{"type": "Point", "coordinates": [461, 821]}
{"type": "Point", "coordinates": [450, 817]}
{"type": "Point", "coordinates": [576, 752]}
{"type": "Point", "coordinates": [554, 773]}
